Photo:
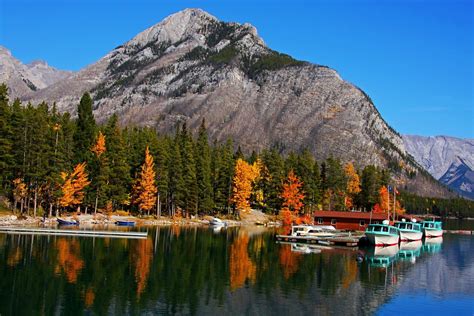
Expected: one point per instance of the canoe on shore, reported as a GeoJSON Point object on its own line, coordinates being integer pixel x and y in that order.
{"type": "Point", "coordinates": [125, 223]}
{"type": "Point", "coordinates": [67, 223]}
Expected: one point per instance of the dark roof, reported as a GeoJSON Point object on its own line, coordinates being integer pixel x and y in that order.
{"type": "Point", "coordinates": [354, 215]}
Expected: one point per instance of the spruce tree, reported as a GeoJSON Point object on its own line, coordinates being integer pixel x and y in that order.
{"type": "Point", "coordinates": [85, 129]}
{"type": "Point", "coordinates": [6, 158]}
{"type": "Point", "coordinates": [188, 171]}
{"type": "Point", "coordinates": [203, 170]}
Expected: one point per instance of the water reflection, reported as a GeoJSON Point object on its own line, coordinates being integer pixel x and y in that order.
{"type": "Point", "coordinates": [234, 271]}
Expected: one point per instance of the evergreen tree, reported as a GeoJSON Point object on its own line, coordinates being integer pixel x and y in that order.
{"type": "Point", "coordinates": [203, 170]}
{"type": "Point", "coordinates": [5, 138]}
{"type": "Point", "coordinates": [85, 129]}
{"type": "Point", "coordinates": [116, 154]}
{"type": "Point", "coordinates": [188, 171]}
{"type": "Point", "coordinates": [176, 187]}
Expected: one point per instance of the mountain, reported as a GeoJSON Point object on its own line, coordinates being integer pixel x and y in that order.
{"type": "Point", "coordinates": [448, 159]}
{"type": "Point", "coordinates": [191, 67]}
{"type": "Point", "coordinates": [23, 79]}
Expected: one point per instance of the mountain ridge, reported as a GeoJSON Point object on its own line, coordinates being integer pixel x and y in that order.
{"type": "Point", "coordinates": [191, 66]}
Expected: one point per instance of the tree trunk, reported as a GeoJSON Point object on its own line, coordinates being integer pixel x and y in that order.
{"type": "Point", "coordinates": [96, 202]}
{"type": "Point", "coordinates": [35, 202]}
{"type": "Point", "coordinates": [158, 206]}
{"type": "Point", "coordinates": [50, 210]}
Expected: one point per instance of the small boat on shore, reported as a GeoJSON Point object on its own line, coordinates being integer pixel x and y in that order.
{"type": "Point", "coordinates": [64, 222]}
{"type": "Point", "coordinates": [125, 223]}
{"type": "Point", "coordinates": [432, 229]}
{"type": "Point", "coordinates": [382, 234]}
{"type": "Point", "coordinates": [216, 222]}
{"type": "Point", "coordinates": [409, 231]}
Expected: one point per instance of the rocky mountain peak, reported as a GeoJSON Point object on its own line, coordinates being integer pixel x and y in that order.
{"type": "Point", "coordinates": [4, 51]}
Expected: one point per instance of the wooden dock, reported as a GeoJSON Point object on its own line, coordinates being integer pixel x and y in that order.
{"type": "Point", "coordinates": [73, 232]}
{"type": "Point", "coordinates": [344, 240]}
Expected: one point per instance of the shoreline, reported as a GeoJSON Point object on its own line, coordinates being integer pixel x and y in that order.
{"type": "Point", "coordinates": [254, 218]}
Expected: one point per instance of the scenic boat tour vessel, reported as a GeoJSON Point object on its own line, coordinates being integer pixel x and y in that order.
{"type": "Point", "coordinates": [382, 234]}
{"type": "Point", "coordinates": [432, 229]}
{"type": "Point", "coordinates": [409, 231]}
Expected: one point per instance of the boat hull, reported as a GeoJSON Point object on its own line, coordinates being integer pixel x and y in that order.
{"type": "Point", "coordinates": [67, 223]}
{"type": "Point", "coordinates": [382, 239]}
{"type": "Point", "coordinates": [433, 233]}
{"type": "Point", "coordinates": [124, 223]}
{"type": "Point", "coordinates": [410, 235]}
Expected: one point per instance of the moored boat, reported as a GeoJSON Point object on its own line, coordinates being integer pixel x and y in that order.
{"type": "Point", "coordinates": [64, 222]}
{"type": "Point", "coordinates": [432, 229]}
{"type": "Point", "coordinates": [313, 231]}
{"type": "Point", "coordinates": [382, 234]}
{"type": "Point", "coordinates": [409, 231]}
{"type": "Point", "coordinates": [125, 223]}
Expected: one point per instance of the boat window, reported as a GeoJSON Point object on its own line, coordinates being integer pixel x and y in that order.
{"type": "Point", "coordinates": [333, 221]}
{"type": "Point", "coordinates": [393, 231]}
{"type": "Point", "coordinates": [385, 229]}
{"type": "Point", "coordinates": [409, 226]}
{"type": "Point", "coordinates": [362, 223]}
{"type": "Point", "coordinates": [320, 220]}
{"type": "Point", "coordinates": [376, 228]}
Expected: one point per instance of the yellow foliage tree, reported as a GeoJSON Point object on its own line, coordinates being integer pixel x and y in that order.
{"type": "Point", "coordinates": [144, 189]}
{"type": "Point", "coordinates": [353, 184]}
{"type": "Point", "coordinates": [292, 196]}
{"type": "Point", "coordinates": [73, 186]}
{"type": "Point", "coordinates": [384, 199]}
{"type": "Point", "coordinates": [19, 191]}
{"type": "Point", "coordinates": [99, 147]}
{"type": "Point", "coordinates": [244, 178]}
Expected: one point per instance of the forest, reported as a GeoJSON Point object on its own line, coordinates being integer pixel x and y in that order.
{"type": "Point", "coordinates": [52, 162]}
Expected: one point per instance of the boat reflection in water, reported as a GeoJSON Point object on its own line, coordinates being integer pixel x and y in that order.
{"type": "Point", "coordinates": [305, 248]}
{"type": "Point", "coordinates": [409, 251]}
{"type": "Point", "coordinates": [432, 245]}
{"type": "Point", "coordinates": [381, 257]}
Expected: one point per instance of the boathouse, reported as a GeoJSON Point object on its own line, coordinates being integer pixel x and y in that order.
{"type": "Point", "coordinates": [348, 220]}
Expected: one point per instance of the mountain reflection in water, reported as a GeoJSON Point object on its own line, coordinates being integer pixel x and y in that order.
{"type": "Point", "coordinates": [233, 271]}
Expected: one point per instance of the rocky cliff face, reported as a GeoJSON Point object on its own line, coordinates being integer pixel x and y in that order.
{"type": "Point", "coordinates": [24, 79]}
{"type": "Point", "coordinates": [192, 66]}
{"type": "Point", "coordinates": [448, 159]}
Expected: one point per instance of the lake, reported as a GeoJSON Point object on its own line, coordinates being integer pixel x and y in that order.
{"type": "Point", "coordinates": [241, 271]}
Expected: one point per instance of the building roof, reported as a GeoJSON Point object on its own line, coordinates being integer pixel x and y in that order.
{"type": "Point", "coordinates": [353, 215]}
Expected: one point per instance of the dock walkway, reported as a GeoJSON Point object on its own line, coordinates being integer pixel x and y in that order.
{"type": "Point", "coordinates": [346, 241]}
{"type": "Point", "coordinates": [73, 232]}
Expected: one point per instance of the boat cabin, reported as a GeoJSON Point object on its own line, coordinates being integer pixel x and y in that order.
{"type": "Point", "coordinates": [378, 228]}
{"type": "Point", "coordinates": [408, 226]}
{"type": "Point", "coordinates": [432, 224]}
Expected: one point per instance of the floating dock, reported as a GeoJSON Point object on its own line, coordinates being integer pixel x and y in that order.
{"type": "Point", "coordinates": [345, 241]}
{"type": "Point", "coordinates": [73, 232]}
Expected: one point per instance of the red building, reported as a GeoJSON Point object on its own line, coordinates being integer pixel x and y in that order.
{"type": "Point", "coordinates": [348, 220]}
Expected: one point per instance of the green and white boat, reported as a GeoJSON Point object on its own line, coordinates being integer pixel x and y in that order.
{"type": "Point", "coordinates": [432, 229]}
{"type": "Point", "coordinates": [409, 231]}
{"type": "Point", "coordinates": [382, 234]}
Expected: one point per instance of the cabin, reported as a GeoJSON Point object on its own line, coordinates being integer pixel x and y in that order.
{"type": "Point", "coordinates": [348, 220]}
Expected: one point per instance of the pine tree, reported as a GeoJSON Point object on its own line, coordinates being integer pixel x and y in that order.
{"type": "Point", "coordinates": [85, 129]}
{"type": "Point", "coordinates": [176, 187]}
{"type": "Point", "coordinates": [101, 172]}
{"type": "Point", "coordinates": [189, 171]}
{"type": "Point", "coordinates": [119, 181]}
{"type": "Point", "coordinates": [203, 170]}
{"type": "Point", "coordinates": [6, 158]}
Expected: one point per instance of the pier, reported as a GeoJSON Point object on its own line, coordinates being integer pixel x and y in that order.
{"type": "Point", "coordinates": [75, 232]}
{"type": "Point", "coordinates": [345, 241]}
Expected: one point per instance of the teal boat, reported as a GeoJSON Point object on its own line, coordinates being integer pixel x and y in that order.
{"type": "Point", "coordinates": [409, 231]}
{"type": "Point", "coordinates": [432, 229]}
{"type": "Point", "coordinates": [382, 234]}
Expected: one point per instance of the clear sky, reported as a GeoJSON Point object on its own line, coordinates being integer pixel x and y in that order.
{"type": "Point", "coordinates": [414, 58]}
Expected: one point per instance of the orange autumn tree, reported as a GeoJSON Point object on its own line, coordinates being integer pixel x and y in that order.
{"type": "Point", "coordinates": [353, 184]}
{"type": "Point", "coordinates": [384, 199]}
{"type": "Point", "coordinates": [292, 196]}
{"type": "Point", "coordinates": [99, 147]}
{"type": "Point", "coordinates": [72, 188]}
{"type": "Point", "coordinates": [244, 177]}
{"type": "Point", "coordinates": [144, 189]}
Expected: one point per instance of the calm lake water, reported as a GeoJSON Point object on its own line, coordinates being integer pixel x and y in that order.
{"type": "Point", "coordinates": [234, 271]}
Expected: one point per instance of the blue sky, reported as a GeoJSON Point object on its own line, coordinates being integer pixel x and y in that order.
{"type": "Point", "coordinates": [414, 58]}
